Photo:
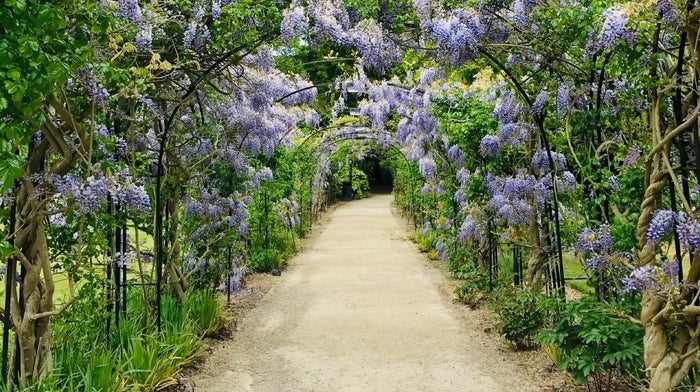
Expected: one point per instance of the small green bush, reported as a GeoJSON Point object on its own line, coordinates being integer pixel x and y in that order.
{"type": "Point", "coordinates": [592, 342]}
{"type": "Point", "coordinates": [425, 242]}
{"type": "Point", "coordinates": [476, 282]}
{"type": "Point", "coordinates": [520, 315]}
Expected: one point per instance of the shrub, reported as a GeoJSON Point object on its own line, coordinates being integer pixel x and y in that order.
{"type": "Point", "coordinates": [476, 282]}
{"type": "Point", "coordinates": [593, 343]}
{"type": "Point", "coordinates": [521, 314]}
{"type": "Point", "coordinates": [425, 241]}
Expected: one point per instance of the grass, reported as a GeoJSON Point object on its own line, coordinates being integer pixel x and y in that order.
{"type": "Point", "coordinates": [575, 275]}
{"type": "Point", "coordinates": [60, 279]}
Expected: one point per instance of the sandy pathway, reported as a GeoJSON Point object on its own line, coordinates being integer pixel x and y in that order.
{"type": "Point", "coordinates": [358, 310]}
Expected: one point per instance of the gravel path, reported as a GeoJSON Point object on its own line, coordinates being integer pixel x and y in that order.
{"type": "Point", "coordinates": [359, 309]}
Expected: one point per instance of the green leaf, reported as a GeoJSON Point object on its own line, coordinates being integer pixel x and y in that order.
{"type": "Point", "coordinates": [5, 249]}
{"type": "Point", "coordinates": [18, 5]}
{"type": "Point", "coordinates": [14, 74]}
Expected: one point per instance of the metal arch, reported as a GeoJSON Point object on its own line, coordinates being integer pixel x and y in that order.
{"type": "Point", "coordinates": [360, 136]}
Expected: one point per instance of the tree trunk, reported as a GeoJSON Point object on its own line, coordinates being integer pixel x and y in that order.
{"type": "Point", "coordinates": [537, 257]}
{"type": "Point", "coordinates": [175, 277]}
{"type": "Point", "coordinates": [667, 359]}
{"type": "Point", "coordinates": [32, 305]}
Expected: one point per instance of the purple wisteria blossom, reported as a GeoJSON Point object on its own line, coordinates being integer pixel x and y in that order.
{"type": "Point", "coordinates": [288, 211]}
{"type": "Point", "coordinates": [540, 161]}
{"type": "Point", "coordinates": [490, 146]}
{"type": "Point", "coordinates": [459, 36]}
{"type": "Point", "coordinates": [507, 109]}
{"type": "Point", "coordinates": [427, 168]}
{"type": "Point", "coordinates": [688, 230]}
{"type": "Point", "coordinates": [632, 156]}
{"type": "Point", "coordinates": [378, 51]}
{"type": "Point", "coordinates": [295, 21]}
{"type": "Point", "coordinates": [563, 100]}
{"type": "Point", "coordinates": [659, 279]}
{"type": "Point", "coordinates": [96, 91]}
{"type": "Point", "coordinates": [144, 38]}
{"type": "Point", "coordinates": [667, 11]}
{"type": "Point", "coordinates": [513, 134]}
{"type": "Point", "coordinates": [129, 10]}
{"type": "Point", "coordinates": [511, 197]}
{"type": "Point", "coordinates": [540, 102]}
{"type": "Point", "coordinates": [456, 156]}
{"type": "Point", "coordinates": [660, 225]}
{"type": "Point", "coordinates": [614, 28]}
{"type": "Point", "coordinates": [428, 75]}
{"type": "Point", "coordinates": [597, 247]}
{"type": "Point", "coordinates": [470, 230]}
{"type": "Point", "coordinates": [614, 183]}
{"type": "Point", "coordinates": [215, 10]}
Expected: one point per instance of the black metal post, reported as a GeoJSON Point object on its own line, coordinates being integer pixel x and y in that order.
{"type": "Point", "coordinates": [517, 265]}
{"type": "Point", "coordinates": [125, 249]}
{"type": "Point", "coordinates": [108, 271]}
{"type": "Point", "coordinates": [117, 274]}
{"type": "Point", "coordinates": [489, 228]}
{"type": "Point", "coordinates": [229, 268]}
{"type": "Point", "coordinates": [267, 225]}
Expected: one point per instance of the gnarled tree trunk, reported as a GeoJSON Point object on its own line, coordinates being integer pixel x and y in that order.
{"type": "Point", "coordinates": [668, 357]}
{"type": "Point", "coordinates": [32, 304]}
{"type": "Point", "coordinates": [175, 277]}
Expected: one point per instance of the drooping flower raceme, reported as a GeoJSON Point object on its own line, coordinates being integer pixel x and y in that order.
{"type": "Point", "coordinates": [668, 12]}
{"type": "Point", "coordinates": [378, 51]}
{"type": "Point", "coordinates": [490, 146]}
{"type": "Point", "coordinates": [615, 28]}
{"type": "Point", "coordinates": [661, 224]}
{"type": "Point", "coordinates": [688, 231]}
{"type": "Point", "coordinates": [288, 211]}
{"type": "Point", "coordinates": [632, 156]}
{"type": "Point", "coordinates": [540, 161]}
{"type": "Point", "coordinates": [427, 168]}
{"type": "Point", "coordinates": [511, 197]}
{"type": "Point", "coordinates": [540, 102]}
{"type": "Point", "coordinates": [144, 38]}
{"type": "Point", "coordinates": [596, 247]}
{"type": "Point", "coordinates": [295, 22]}
{"type": "Point", "coordinates": [659, 279]}
{"type": "Point", "coordinates": [456, 156]}
{"type": "Point", "coordinates": [459, 36]}
{"type": "Point", "coordinates": [129, 10]}
{"type": "Point", "coordinates": [563, 100]}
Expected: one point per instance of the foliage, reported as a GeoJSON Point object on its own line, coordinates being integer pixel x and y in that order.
{"type": "Point", "coordinates": [475, 283]}
{"type": "Point", "coordinates": [360, 182]}
{"type": "Point", "coordinates": [594, 339]}
{"type": "Point", "coordinates": [521, 314]}
{"type": "Point", "coordinates": [425, 240]}
{"type": "Point", "coordinates": [133, 356]}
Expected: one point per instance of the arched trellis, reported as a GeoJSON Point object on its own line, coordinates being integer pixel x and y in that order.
{"type": "Point", "coordinates": [552, 264]}
{"type": "Point", "coordinates": [553, 268]}
{"type": "Point", "coordinates": [356, 132]}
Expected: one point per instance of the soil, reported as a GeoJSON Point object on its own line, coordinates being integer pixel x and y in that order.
{"type": "Point", "coordinates": [361, 309]}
